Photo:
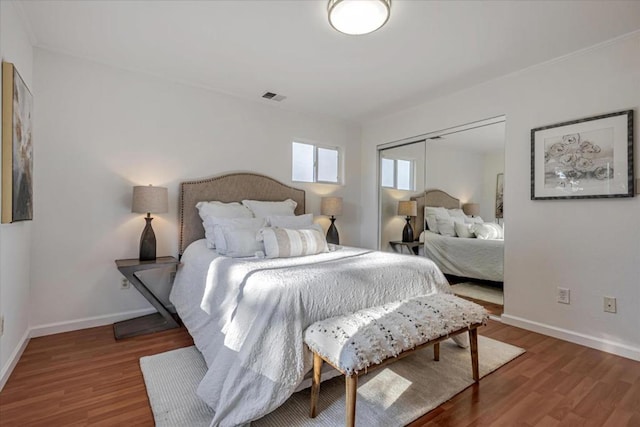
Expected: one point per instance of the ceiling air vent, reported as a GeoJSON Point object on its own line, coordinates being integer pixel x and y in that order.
{"type": "Point", "coordinates": [273, 96]}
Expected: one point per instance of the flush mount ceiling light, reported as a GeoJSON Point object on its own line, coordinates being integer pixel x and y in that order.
{"type": "Point", "coordinates": [357, 17]}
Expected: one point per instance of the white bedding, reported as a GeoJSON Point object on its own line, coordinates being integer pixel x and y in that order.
{"type": "Point", "coordinates": [247, 316]}
{"type": "Point", "coordinates": [473, 258]}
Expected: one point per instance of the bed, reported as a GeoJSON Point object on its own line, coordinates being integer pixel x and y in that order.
{"type": "Point", "coordinates": [463, 257]}
{"type": "Point", "coordinates": [247, 315]}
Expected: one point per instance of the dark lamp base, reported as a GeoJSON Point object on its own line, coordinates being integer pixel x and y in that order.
{"type": "Point", "coordinates": [407, 232]}
{"type": "Point", "coordinates": [148, 242]}
{"type": "Point", "coordinates": [332, 233]}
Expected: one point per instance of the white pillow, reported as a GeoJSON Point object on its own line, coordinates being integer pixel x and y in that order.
{"type": "Point", "coordinates": [456, 213]}
{"type": "Point", "coordinates": [432, 224]}
{"type": "Point", "coordinates": [431, 214]}
{"type": "Point", "coordinates": [288, 221]}
{"type": "Point", "coordinates": [219, 210]}
{"type": "Point", "coordinates": [446, 226]}
{"type": "Point", "coordinates": [266, 209]}
{"type": "Point", "coordinates": [286, 243]}
{"type": "Point", "coordinates": [236, 237]}
{"type": "Point", "coordinates": [464, 230]}
{"type": "Point", "coordinates": [488, 231]}
{"type": "Point", "coordinates": [473, 220]}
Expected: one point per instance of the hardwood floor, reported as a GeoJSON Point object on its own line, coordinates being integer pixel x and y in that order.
{"type": "Point", "coordinates": [495, 309]}
{"type": "Point", "coordinates": [83, 378]}
{"type": "Point", "coordinates": [87, 378]}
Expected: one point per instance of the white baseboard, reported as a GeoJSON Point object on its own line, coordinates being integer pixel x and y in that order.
{"type": "Point", "coordinates": [7, 369]}
{"type": "Point", "coordinates": [88, 322]}
{"type": "Point", "coordinates": [575, 337]}
{"type": "Point", "coordinates": [56, 328]}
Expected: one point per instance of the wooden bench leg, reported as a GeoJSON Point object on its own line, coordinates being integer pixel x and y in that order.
{"type": "Point", "coordinates": [352, 392]}
{"type": "Point", "coordinates": [473, 344]}
{"type": "Point", "coordinates": [315, 384]}
{"type": "Point", "coordinates": [436, 351]}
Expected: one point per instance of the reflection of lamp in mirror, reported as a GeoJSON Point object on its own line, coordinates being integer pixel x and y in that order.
{"type": "Point", "coordinates": [332, 207]}
{"type": "Point", "coordinates": [407, 208]}
{"type": "Point", "coordinates": [149, 199]}
{"type": "Point", "coordinates": [471, 209]}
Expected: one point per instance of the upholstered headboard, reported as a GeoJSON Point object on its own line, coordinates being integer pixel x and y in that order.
{"type": "Point", "coordinates": [435, 198]}
{"type": "Point", "coordinates": [233, 187]}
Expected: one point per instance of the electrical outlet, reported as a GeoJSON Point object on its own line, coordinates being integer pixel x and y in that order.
{"type": "Point", "coordinates": [1, 326]}
{"type": "Point", "coordinates": [610, 304]}
{"type": "Point", "coordinates": [563, 295]}
{"type": "Point", "coordinates": [124, 284]}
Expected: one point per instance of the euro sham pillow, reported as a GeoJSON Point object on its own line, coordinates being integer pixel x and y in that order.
{"type": "Point", "coordinates": [288, 243]}
{"type": "Point", "coordinates": [456, 213]}
{"type": "Point", "coordinates": [266, 209]}
{"type": "Point", "coordinates": [219, 210]}
{"type": "Point", "coordinates": [431, 215]}
{"type": "Point", "coordinates": [289, 221]}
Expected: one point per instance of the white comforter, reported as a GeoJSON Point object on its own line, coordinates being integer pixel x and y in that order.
{"type": "Point", "coordinates": [474, 258]}
{"type": "Point", "coordinates": [247, 316]}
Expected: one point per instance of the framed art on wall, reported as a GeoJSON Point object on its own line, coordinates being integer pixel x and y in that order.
{"type": "Point", "coordinates": [583, 159]}
{"type": "Point", "coordinates": [17, 147]}
{"type": "Point", "coordinates": [499, 196]}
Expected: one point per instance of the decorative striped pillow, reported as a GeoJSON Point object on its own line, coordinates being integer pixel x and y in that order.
{"type": "Point", "coordinates": [287, 243]}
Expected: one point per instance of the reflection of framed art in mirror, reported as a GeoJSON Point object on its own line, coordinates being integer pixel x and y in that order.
{"type": "Point", "coordinates": [499, 196]}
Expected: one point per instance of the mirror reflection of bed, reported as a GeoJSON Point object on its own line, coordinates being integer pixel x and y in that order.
{"type": "Point", "coordinates": [450, 169]}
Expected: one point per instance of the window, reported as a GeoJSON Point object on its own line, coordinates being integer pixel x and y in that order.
{"type": "Point", "coordinates": [312, 163]}
{"type": "Point", "coordinates": [398, 174]}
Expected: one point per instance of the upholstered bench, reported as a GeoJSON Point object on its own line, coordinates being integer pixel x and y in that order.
{"type": "Point", "coordinates": [374, 337]}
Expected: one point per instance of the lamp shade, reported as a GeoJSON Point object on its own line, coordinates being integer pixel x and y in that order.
{"type": "Point", "coordinates": [356, 17]}
{"type": "Point", "coordinates": [408, 208]}
{"type": "Point", "coordinates": [331, 206]}
{"type": "Point", "coordinates": [149, 199]}
{"type": "Point", "coordinates": [472, 209]}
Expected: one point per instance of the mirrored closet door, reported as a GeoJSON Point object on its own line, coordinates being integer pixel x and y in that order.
{"type": "Point", "coordinates": [461, 168]}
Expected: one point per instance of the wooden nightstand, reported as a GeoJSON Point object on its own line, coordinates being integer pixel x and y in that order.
{"type": "Point", "coordinates": [160, 321]}
{"type": "Point", "coordinates": [412, 247]}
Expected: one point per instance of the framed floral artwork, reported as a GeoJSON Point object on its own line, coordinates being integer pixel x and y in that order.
{"type": "Point", "coordinates": [583, 159]}
{"type": "Point", "coordinates": [17, 147]}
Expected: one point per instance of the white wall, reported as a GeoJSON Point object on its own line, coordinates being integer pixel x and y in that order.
{"type": "Point", "coordinates": [457, 171]}
{"type": "Point", "coordinates": [15, 239]}
{"type": "Point", "coordinates": [101, 130]}
{"type": "Point", "coordinates": [589, 246]}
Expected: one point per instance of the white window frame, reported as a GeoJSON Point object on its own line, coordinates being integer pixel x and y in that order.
{"type": "Point", "coordinates": [412, 172]}
{"type": "Point", "coordinates": [315, 161]}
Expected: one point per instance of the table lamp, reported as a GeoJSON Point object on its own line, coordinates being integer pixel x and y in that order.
{"type": "Point", "coordinates": [407, 208]}
{"type": "Point", "coordinates": [332, 206]}
{"type": "Point", "coordinates": [149, 200]}
{"type": "Point", "coordinates": [471, 209]}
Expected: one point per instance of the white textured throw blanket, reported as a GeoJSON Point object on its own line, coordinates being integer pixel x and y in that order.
{"type": "Point", "coordinates": [248, 316]}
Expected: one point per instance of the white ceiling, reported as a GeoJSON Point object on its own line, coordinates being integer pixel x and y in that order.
{"type": "Point", "coordinates": [244, 48]}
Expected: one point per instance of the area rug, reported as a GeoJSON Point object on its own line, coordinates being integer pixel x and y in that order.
{"type": "Point", "coordinates": [479, 292]}
{"type": "Point", "coordinates": [393, 396]}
